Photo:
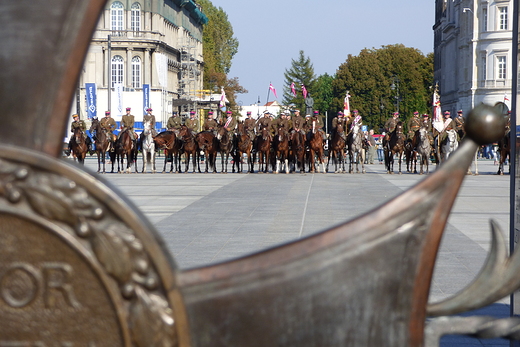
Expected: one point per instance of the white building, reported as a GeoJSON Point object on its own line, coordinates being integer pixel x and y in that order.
{"type": "Point", "coordinates": [150, 53]}
{"type": "Point", "coordinates": [473, 52]}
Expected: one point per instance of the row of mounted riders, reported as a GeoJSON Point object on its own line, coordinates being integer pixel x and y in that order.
{"type": "Point", "coordinates": [287, 151]}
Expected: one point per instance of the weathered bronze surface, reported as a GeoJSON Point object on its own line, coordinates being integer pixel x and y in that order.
{"type": "Point", "coordinates": [80, 265]}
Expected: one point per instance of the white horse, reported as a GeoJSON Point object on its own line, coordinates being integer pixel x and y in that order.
{"type": "Point", "coordinates": [356, 150]}
{"type": "Point", "coordinates": [424, 149]}
{"type": "Point", "coordinates": [449, 145]}
{"type": "Point", "coordinates": [148, 147]}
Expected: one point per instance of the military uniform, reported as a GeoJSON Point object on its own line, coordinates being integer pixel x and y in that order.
{"type": "Point", "coordinates": [109, 125]}
{"type": "Point", "coordinates": [149, 117]}
{"type": "Point", "coordinates": [298, 123]}
{"type": "Point", "coordinates": [210, 124]}
{"type": "Point", "coordinates": [80, 124]}
{"type": "Point", "coordinates": [127, 123]}
{"type": "Point", "coordinates": [449, 124]}
{"type": "Point", "coordinates": [230, 124]}
{"type": "Point", "coordinates": [459, 125]}
{"type": "Point", "coordinates": [174, 123]}
{"type": "Point", "coordinates": [264, 122]}
{"type": "Point", "coordinates": [414, 124]}
{"type": "Point", "coordinates": [193, 124]}
{"type": "Point", "coordinates": [249, 126]}
{"type": "Point", "coordinates": [339, 120]}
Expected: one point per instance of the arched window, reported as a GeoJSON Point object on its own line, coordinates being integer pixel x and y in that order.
{"type": "Point", "coordinates": [117, 70]}
{"type": "Point", "coordinates": [116, 17]}
{"type": "Point", "coordinates": [136, 72]}
{"type": "Point", "coordinates": [136, 17]}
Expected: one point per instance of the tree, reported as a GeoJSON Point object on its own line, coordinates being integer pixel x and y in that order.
{"type": "Point", "coordinates": [380, 80]}
{"type": "Point", "coordinates": [300, 73]}
{"type": "Point", "coordinates": [219, 48]}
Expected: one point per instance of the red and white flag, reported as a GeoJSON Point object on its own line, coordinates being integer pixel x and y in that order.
{"type": "Point", "coordinates": [304, 91]}
{"type": "Point", "coordinates": [223, 99]}
{"type": "Point", "coordinates": [437, 112]}
{"type": "Point", "coordinates": [346, 105]}
{"type": "Point", "coordinates": [274, 90]}
{"type": "Point", "coordinates": [505, 98]}
{"type": "Point", "coordinates": [293, 89]}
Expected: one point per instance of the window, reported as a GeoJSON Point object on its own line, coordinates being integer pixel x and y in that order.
{"type": "Point", "coordinates": [116, 16]}
{"type": "Point", "coordinates": [136, 72]}
{"type": "Point", "coordinates": [117, 70]}
{"type": "Point", "coordinates": [502, 18]}
{"type": "Point", "coordinates": [483, 67]}
{"type": "Point", "coordinates": [484, 18]}
{"type": "Point", "coordinates": [136, 17]}
{"type": "Point", "coordinates": [501, 67]}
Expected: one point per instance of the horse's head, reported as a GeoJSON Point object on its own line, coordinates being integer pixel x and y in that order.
{"type": "Point", "coordinates": [399, 127]}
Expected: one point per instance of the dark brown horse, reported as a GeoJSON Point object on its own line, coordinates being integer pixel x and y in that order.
{"type": "Point", "coordinates": [170, 144]}
{"type": "Point", "coordinates": [189, 147]}
{"type": "Point", "coordinates": [101, 140]}
{"type": "Point", "coordinates": [281, 150]}
{"type": "Point", "coordinates": [395, 145]}
{"type": "Point", "coordinates": [79, 146]}
{"type": "Point", "coordinates": [337, 149]}
{"type": "Point", "coordinates": [315, 144]}
{"type": "Point", "coordinates": [225, 146]}
{"type": "Point", "coordinates": [207, 142]}
{"type": "Point", "coordinates": [297, 150]}
{"type": "Point", "coordinates": [410, 153]}
{"type": "Point", "coordinates": [125, 148]}
{"type": "Point", "coordinates": [244, 145]}
{"type": "Point", "coordinates": [504, 150]}
{"type": "Point", "coordinates": [263, 149]}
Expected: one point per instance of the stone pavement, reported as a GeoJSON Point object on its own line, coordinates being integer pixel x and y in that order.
{"type": "Point", "coordinates": [208, 218]}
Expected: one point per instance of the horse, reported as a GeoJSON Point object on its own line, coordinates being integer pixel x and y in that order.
{"type": "Point", "coordinates": [410, 153]}
{"type": "Point", "coordinates": [125, 148]}
{"type": "Point", "coordinates": [208, 143]}
{"type": "Point", "coordinates": [423, 149]}
{"type": "Point", "coordinates": [504, 149]}
{"type": "Point", "coordinates": [79, 146]}
{"type": "Point", "coordinates": [316, 150]}
{"type": "Point", "coordinates": [355, 149]}
{"type": "Point", "coordinates": [337, 149]}
{"type": "Point", "coordinates": [189, 147]}
{"type": "Point", "coordinates": [244, 144]}
{"type": "Point", "coordinates": [225, 147]}
{"type": "Point", "coordinates": [263, 149]}
{"type": "Point", "coordinates": [101, 141]}
{"type": "Point", "coordinates": [148, 147]}
{"type": "Point", "coordinates": [297, 150]}
{"type": "Point", "coordinates": [449, 145]}
{"type": "Point", "coordinates": [394, 145]}
{"type": "Point", "coordinates": [168, 141]}
{"type": "Point", "coordinates": [281, 150]}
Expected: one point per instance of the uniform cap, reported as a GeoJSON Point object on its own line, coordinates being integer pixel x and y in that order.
{"type": "Point", "coordinates": [192, 112]}
{"type": "Point", "coordinates": [248, 112]}
{"type": "Point", "coordinates": [340, 113]}
{"type": "Point", "coordinates": [396, 113]}
{"type": "Point", "coordinates": [416, 112]}
{"type": "Point", "coordinates": [107, 112]}
{"type": "Point", "coordinates": [307, 115]}
{"type": "Point", "coordinates": [355, 111]}
{"type": "Point", "coordinates": [128, 108]}
{"type": "Point", "coordinates": [229, 112]}
{"type": "Point", "coordinates": [316, 112]}
{"type": "Point", "coordinates": [459, 111]}
{"type": "Point", "coordinates": [425, 115]}
{"type": "Point", "coordinates": [447, 113]}
{"type": "Point", "coordinates": [74, 116]}
{"type": "Point", "coordinates": [210, 113]}
{"type": "Point", "coordinates": [149, 109]}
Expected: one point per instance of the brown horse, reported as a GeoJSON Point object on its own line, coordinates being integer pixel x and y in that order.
{"type": "Point", "coordinates": [189, 146]}
{"type": "Point", "coordinates": [244, 145]}
{"type": "Point", "coordinates": [297, 150]}
{"type": "Point", "coordinates": [263, 148]}
{"type": "Point", "coordinates": [79, 146]}
{"type": "Point", "coordinates": [504, 149]}
{"type": "Point", "coordinates": [281, 150]}
{"type": "Point", "coordinates": [316, 150]}
{"type": "Point", "coordinates": [170, 144]}
{"type": "Point", "coordinates": [125, 148]}
{"type": "Point", "coordinates": [337, 149]}
{"type": "Point", "coordinates": [225, 146]}
{"type": "Point", "coordinates": [207, 142]}
{"type": "Point", "coordinates": [101, 141]}
{"type": "Point", "coordinates": [394, 145]}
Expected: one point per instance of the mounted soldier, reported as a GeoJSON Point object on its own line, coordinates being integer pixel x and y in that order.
{"type": "Point", "coordinates": [389, 127]}
{"type": "Point", "coordinates": [127, 124]}
{"type": "Point", "coordinates": [298, 123]}
{"type": "Point", "coordinates": [210, 124]}
{"type": "Point", "coordinates": [192, 123]}
{"type": "Point", "coordinates": [249, 125]}
{"type": "Point", "coordinates": [339, 120]}
{"type": "Point", "coordinates": [414, 124]}
{"type": "Point", "coordinates": [79, 123]}
{"type": "Point", "coordinates": [459, 124]}
{"type": "Point", "coordinates": [149, 117]}
{"type": "Point", "coordinates": [174, 123]}
{"type": "Point", "coordinates": [230, 123]}
{"type": "Point", "coordinates": [109, 125]}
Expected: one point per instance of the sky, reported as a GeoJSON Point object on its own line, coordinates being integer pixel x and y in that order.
{"type": "Point", "coordinates": [271, 33]}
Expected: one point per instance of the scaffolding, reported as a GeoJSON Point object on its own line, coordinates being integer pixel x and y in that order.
{"type": "Point", "coordinates": [189, 72]}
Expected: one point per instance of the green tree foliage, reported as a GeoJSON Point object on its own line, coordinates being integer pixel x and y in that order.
{"type": "Point", "coordinates": [301, 72]}
{"type": "Point", "coordinates": [219, 48]}
{"type": "Point", "coordinates": [376, 77]}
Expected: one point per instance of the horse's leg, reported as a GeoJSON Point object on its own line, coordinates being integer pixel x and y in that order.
{"type": "Point", "coordinates": [400, 156]}
{"type": "Point", "coordinates": [143, 153]}
{"type": "Point", "coordinates": [363, 154]}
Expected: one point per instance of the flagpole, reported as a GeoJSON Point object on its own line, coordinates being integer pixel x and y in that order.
{"type": "Point", "coordinates": [268, 92]}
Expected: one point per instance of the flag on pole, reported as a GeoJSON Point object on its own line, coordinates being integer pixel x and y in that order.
{"type": "Point", "coordinates": [505, 97]}
{"type": "Point", "coordinates": [346, 105]}
{"type": "Point", "coordinates": [274, 90]}
{"type": "Point", "coordinates": [223, 99]}
{"type": "Point", "coordinates": [304, 91]}
{"type": "Point", "coordinates": [293, 89]}
{"type": "Point", "coordinates": [437, 113]}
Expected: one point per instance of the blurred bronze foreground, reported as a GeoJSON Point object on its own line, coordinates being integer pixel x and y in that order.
{"type": "Point", "coordinates": [80, 265]}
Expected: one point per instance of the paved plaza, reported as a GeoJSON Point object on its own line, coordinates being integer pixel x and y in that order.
{"type": "Point", "coordinates": [208, 218]}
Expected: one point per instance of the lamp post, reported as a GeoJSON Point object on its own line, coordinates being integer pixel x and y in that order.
{"type": "Point", "coordinates": [395, 87]}
{"type": "Point", "coordinates": [382, 108]}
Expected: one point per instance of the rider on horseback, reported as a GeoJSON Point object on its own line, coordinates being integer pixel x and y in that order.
{"type": "Point", "coordinates": [448, 125]}
{"type": "Point", "coordinates": [78, 123]}
{"type": "Point", "coordinates": [316, 126]}
{"type": "Point", "coordinates": [109, 125]}
{"type": "Point", "coordinates": [249, 125]}
{"type": "Point", "coordinates": [192, 123]}
{"type": "Point", "coordinates": [340, 119]}
{"type": "Point", "coordinates": [459, 124]}
{"type": "Point", "coordinates": [174, 123]}
{"type": "Point", "coordinates": [390, 127]}
{"type": "Point", "coordinates": [210, 124]}
{"type": "Point", "coordinates": [127, 124]}
{"type": "Point", "coordinates": [149, 117]}
{"type": "Point", "coordinates": [414, 124]}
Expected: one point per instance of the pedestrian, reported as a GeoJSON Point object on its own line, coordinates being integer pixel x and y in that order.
{"type": "Point", "coordinates": [372, 147]}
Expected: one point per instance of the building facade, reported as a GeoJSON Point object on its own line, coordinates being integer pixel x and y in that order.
{"type": "Point", "coordinates": [473, 52]}
{"type": "Point", "coordinates": [144, 53]}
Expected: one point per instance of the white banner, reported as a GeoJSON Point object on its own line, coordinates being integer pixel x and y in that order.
{"type": "Point", "coordinates": [119, 97]}
{"type": "Point", "coordinates": [161, 64]}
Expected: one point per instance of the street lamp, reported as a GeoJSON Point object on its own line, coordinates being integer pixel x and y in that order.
{"type": "Point", "coordinates": [395, 86]}
{"type": "Point", "coordinates": [382, 107]}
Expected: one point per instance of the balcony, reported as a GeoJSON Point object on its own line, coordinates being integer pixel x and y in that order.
{"type": "Point", "coordinates": [494, 84]}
